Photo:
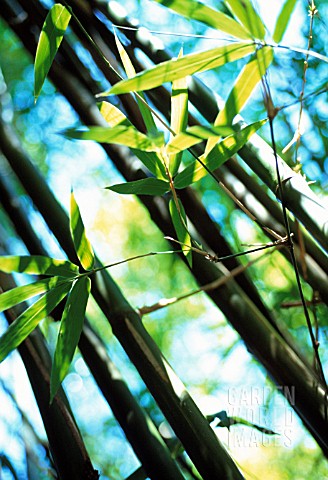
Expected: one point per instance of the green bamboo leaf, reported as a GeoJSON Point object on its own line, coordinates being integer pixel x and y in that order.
{"type": "Point", "coordinates": [51, 36]}
{"type": "Point", "coordinates": [179, 220]}
{"type": "Point", "coordinates": [145, 186]}
{"type": "Point", "coordinates": [19, 294]}
{"type": "Point", "coordinates": [69, 331]}
{"type": "Point", "coordinates": [196, 134]}
{"type": "Point", "coordinates": [130, 71]}
{"type": "Point", "coordinates": [207, 15]}
{"type": "Point", "coordinates": [30, 318]}
{"type": "Point", "coordinates": [121, 135]}
{"type": "Point", "coordinates": [114, 117]}
{"type": "Point", "coordinates": [242, 89]}
{"type": "Point", "coordinates": [179, 117]}
{"type": "Point", "coordinates": [188, 65]}
{"type": "Point", "coordinates": [217, 156]}
{"type": "Point", "coordinates": [247, 15]}
{"type": "Point", "coordinates": [38, 265]}
{"type": "Point", "coordinates": [82, 245]}
{"type": "Point", "coordinates": [283, 20]}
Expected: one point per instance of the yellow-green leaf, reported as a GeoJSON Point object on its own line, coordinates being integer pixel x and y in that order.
{"type": "Point", "coordinates": [19, 294]}
{"type": "Point", "coordinates": [217, 156]}
{"type": "Point", "coordinates": [247, 15]}
{"type": "Point", "coordinates": [182, 67]}
{"type": "Point", "coordinates": [38, 265]}
{"type": "Point", "coordinates": [196, 134]}
{"type": "Point", "coordinates": [69, 331]}
{"type": "Point", "coordinates": [30, 318]}
{"type": "Point", "coordinates": [51, 36]}
{"type": "Point", "coordinates": [179, 221]}
{"type": "Point", "coordinates": [145, 186]}
{"type": "Point", "coordinates": [121, 135]}
{"type": "Point", "coordinates": [141, 101]}
{"type": "Point", "coordinates": [114, 117]}
{"type": "Point", "coordinates": [179, 116]}
{"type": "Point", "coordinates": [283, 20]}
{"type": "Point", "coordinates": [192, 9]}
{"type": "Point", "coordinates": [82, 245]}
{"type": "Point", "coordinates": [242, 89]}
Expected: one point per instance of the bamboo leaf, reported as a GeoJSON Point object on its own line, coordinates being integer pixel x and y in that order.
{"type": "Point", "coordinates": [196, 134]}
{"type": "Point", "coordinates": [179, 221]}
{"type": "Point", "coordinates": [121, 135]}
{"type": "Point", "coordinates": [283, 20]}
{"type": "Point", "coordinates": [182, 67]}
{"type": "Point", "coordinates": [69, 331]}
{"type": "Point", "coordinates": [19, 294]}
{"type": "Point", "coordinates": [51, 36]}
{"type": "Point", "coordinates": [217, 156]}
{"type": "Point", "coordinates": [247, 15]}
{"type": "Point", "coordinates": [130, 71]}
{"type": "Point", "coordinates": [145, 186]}
{"type": "Point", "coordinates": [30, 318]}
{"type": "Point", "coordinates": [38, 265]}
{"type": "Point", "coordinates": [207, 15]}
{"type": "Point", "coordinates": [245, 83]}
{"type": "Point", "coordinates": [82, 245]}
{"type": "Point", "coordinates": [179, 117]}
{"type": "Point", "coordinates": [114, 117]}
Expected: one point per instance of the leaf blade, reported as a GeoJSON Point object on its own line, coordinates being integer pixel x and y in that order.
{"type": "Point", "coordinates": [121, 135]}
{"type": "Point", "coordinates": [50, 39]}
{"type": "Point", "coordinates": [179, 116]}
{"type": "Point", "coordinates": [69, 332]}
{"type": "Point", "coordinates": [30, 318]}
{"type": "Point", "coordinates": [19, 294]}
{"type": "Point", "coordinates": [283, 20]}
{"type": "Point", "coordinates": [38, 265]}
{"type": "Point", "coordinates": [247, 15]}
{"type": "Point", "coordinates": [82, 245]}
{"type": "Point", "coordinates": [194, 135]}
{"type": "Point", "coordinates": [242, 89]}
{"type": "Point", "coordinates": [182, 67]}
{"type": "Point", "coordinates": [179, 220]}
{"type": "Point", "coordinates": [207, 15]}
{"type": "Point", "coordinates": [217, 156]}
{"type": "Point", "coordinates": [145, 186]}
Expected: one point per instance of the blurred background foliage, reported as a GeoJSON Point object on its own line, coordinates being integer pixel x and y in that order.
{"type": "Point", "coordinates": [204, 350]}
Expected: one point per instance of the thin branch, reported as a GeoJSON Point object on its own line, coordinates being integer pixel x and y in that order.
{"type": "Point", "coordinates": [165, 302]}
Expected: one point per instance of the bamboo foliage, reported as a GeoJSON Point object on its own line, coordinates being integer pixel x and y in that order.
{"type": "Point", "coordinates": [180, 215]}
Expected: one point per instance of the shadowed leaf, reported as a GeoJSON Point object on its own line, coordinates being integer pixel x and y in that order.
{"type": "Point", "coordinates": [38, 265]}
{"type": "Point", "coordinates": [130, 71]}
{"type": "Point", "coordinates": [188, 65]}
{"type": "Point", "coordinates": [179, 117]}
{"type": "Point", "coordinates": [283, 20]}
{"type": "Point", "coordinates": [19, 294]}
{"type": "Point", "coordinates": [179, 220]}
{"type": "Point", "coordinates": [121, 135]}
{"type": "Point", "coordinates": [30, 318]}
{"type": "Point", "coordinates": [217, 156]}
{"type": "Point", "coordinates": [145, 186]}
{"type": "Point", "coordinates": [69, 331]}
{"type": "Point", "coordinates": [82, 245]}
{"type": "Point", "coordinates": [247, 15]}
{"type": "Point", "coordinates": [51, 36]}
{"type": "Point", "coordinates": [202, 13]}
